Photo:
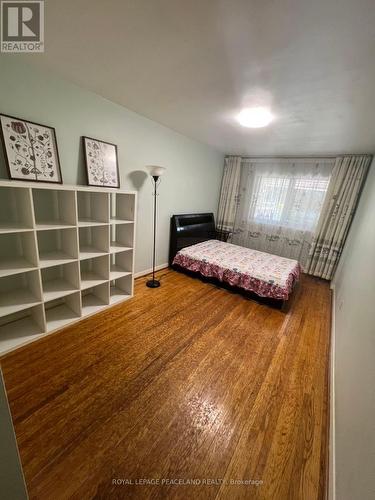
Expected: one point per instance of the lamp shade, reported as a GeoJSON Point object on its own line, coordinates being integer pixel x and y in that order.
{"type": "Point", "coordinates": [155, 170]}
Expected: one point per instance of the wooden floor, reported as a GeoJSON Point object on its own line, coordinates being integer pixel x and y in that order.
{"type": "Point", "coordinates": [189, 383]}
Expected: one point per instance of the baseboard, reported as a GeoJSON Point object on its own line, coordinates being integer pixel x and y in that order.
{"type": "Point", "coordinates": [332, 430]}
{"type": "Point", "coordinates": [148, 271]}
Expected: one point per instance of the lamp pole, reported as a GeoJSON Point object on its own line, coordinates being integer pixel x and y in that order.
{"type": "Point", "coordinates": [155, 172]}
{"type": "Point", "coordinates": [154, 283]}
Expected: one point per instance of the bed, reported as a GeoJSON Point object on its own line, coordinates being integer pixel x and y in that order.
{"type": "Point", "coordinates": [195, 247]}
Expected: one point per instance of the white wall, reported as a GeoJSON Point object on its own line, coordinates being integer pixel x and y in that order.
{"type": "Point", "coordinates": [12, 483]}
{"type": "Point", "coordinates": [193, 178]}
{"type": "Point", "coordinates": [355, 355]}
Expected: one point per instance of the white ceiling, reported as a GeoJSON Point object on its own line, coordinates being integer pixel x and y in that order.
{"type": "Point", "coordinates": [193, 64]}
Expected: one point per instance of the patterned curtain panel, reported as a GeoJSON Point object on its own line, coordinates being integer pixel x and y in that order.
{"type": "Point", "coordinates": [229, 193]}
{"type": "Point", "coordinates": [348, 176]}
{"type": "Point", "coordinates": [279, 204]}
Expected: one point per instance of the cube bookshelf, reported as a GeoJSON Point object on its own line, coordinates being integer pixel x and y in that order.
{"type": "Point", "coordinates": [66, 252]}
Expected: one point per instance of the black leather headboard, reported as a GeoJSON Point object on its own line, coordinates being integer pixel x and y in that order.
{"type": "Point", "coordinates": [189, 229]}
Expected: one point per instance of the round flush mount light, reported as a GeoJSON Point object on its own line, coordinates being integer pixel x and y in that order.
{"type": "Point", "coordinates": [255, 117]}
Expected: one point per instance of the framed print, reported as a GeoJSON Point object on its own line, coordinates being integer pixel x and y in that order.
{"type": "Point", "coordinates": [30, 150]}
{"type": "Point", "coordinates": [101, 163]}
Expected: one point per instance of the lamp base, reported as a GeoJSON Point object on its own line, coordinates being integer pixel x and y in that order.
{"type": "Point", "coordinates": [153, 283]}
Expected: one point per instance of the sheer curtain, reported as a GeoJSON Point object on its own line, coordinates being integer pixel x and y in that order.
{"type": "Point", "coordinates": [279, 204]}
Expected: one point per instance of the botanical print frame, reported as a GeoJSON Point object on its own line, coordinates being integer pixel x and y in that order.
{"type": "Point", "coordinates": [101, 163]}
{"type": "Point", "coordinates": [30, 150]}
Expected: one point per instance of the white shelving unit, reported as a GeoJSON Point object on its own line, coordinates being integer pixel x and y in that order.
{"type": "Point", "coordinates": [66, 252]}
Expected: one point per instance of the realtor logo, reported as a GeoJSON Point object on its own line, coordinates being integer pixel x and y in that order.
{"type": "Point", "coordinates": [22, 26]}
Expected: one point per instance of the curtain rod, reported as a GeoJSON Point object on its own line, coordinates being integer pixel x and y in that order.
{"type": "Point", "coordinates": [299, 156]}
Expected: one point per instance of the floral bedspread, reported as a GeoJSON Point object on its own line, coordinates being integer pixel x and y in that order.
{"type": "Point", "coordinates": [265, 274]}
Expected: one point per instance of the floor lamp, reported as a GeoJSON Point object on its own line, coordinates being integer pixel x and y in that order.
{"type": "Point", "coordinates": [155, 173]}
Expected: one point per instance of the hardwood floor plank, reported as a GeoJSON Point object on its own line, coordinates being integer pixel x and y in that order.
{"type": "Point", "coordinates": [187, 381]}
{"type": "Point", "coordinates": [176, 367]}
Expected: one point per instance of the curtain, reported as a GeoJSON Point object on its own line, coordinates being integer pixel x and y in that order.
{"type": "Point", "coordinates": [229, 193]}
{"type": "Point", "coordinates": [348, 176]}
{"type": "Point", "coordinates": [279, 203]}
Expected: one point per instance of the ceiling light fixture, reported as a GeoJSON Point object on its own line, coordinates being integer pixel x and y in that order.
{"type": "Point", "coordinates": [255, 117]}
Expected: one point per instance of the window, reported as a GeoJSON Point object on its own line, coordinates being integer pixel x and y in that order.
{"type": "Point", "coordinates": [288, 201]}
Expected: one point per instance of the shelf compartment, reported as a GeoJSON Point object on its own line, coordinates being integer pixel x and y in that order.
{"type": "Point", "coordinates": [18, 253]}
{"type": "Point", "coordinates": [58, 281]}
{"type": "Point", "coordinates": [48, 259]}
{"type": "Point", "coordinates": [115, 220]}
{"type": "Point", "coordinates": [54, 209]}
{"type": "Point", "coordinates": [16, 212]}
{"type": "Point", "coordinates": [19, 291]}
{"type": "Point", "coordinates": [122, 207]}
{"type": "Point", "coordinates": [95, 298]}
{"type": "Point", "coordinates": [50, 225]}
{"type": "Point", "coordinates": [121, 289]}
{"type": "Point", "coordinates": [117, 247]}
{"type": "Point", "coordinates": [90, 222]}
{"type": "Point", "coordinates": [93, 208]}
{"type": "Point", "coordinates": [94, 271]}
{"type": "Point", "coordinates": [56, 247]}
{"type": "Point", "coordinates": [20, 328]}
{"type": "Point", "coordinates": [121, 237]}
{"type": "Point", "coordinates": [93, 241]}
{"type": "Point", "coordinates": [121, 265]}
{"type": "Point", "coordinates": [62, 311]}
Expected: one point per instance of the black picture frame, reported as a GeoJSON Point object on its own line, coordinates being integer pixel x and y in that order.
{"type": "Point", "coordinates": [27, 142]}
{"type": "Point", "coordinates": [89, 175]}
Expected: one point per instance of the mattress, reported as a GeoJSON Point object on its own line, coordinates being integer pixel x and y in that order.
{"type": "Point", "coordinates": [265, 274]}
